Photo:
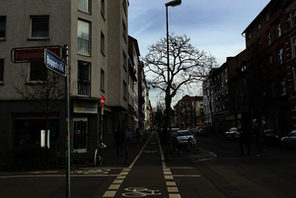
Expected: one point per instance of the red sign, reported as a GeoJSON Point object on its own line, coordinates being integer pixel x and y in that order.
{"type": "Point", "coordinates": [102, 100]}
{"type": "Point", "coordinates": [21, 55]}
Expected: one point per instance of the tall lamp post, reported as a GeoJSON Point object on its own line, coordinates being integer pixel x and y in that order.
{"type": "Point", "coordinates": [168, 97]}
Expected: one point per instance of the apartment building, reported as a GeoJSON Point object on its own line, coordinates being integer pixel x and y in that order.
{"type": "Point", "coordinates": [134, 54]}
{"type": "Point", "coordinates": [118, 74]}
{"type": "Point", "coordinates": [189, 112]}
{"type": "Point", "coordinates": [270, 45]}
{"type": "Point", "coordinates": [261, 80]}
{"type": "Point", "coordinates": [96, 33]}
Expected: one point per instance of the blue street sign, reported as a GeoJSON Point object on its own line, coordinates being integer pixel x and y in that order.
{"type": "Point", "coordinates": [54, 63]}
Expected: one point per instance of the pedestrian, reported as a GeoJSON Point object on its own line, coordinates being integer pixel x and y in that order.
{"type": "Point", "coordinates": [119, 139]}
{"type": "Point", "coordinates": [128, 137]}
{"type": "Point", "coordinates": [244, 140]}
{"type": "Point", "coordinates": [258, 137]}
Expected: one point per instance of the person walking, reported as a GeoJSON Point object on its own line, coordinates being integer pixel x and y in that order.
{"type": "Point", "coordinates": [258, 137]}
{"type": "Point", "coordinates": [244, 140]}
{"type": "Point", "coordinates": [119, 139]}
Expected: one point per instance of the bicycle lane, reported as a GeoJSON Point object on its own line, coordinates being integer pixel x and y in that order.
{"type": "Point", "coordinates": [146, 176]}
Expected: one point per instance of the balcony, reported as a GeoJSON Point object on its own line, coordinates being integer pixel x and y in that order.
{"type": "Point", "coordinates": [84, 88]}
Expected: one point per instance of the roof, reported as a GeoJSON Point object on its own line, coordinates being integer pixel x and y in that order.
{"type": "Point", "coordinates": [191, 98]}
{"type": "Point", "coordinates": [270, 5]}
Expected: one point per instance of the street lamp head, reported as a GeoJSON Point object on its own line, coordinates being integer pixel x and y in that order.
{"type": "Point", "coordinates": [173, 3]}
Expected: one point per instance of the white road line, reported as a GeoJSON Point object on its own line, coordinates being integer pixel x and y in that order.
{"type": "Point", "coordinates": [170, 183]}
{"type": "Point", "coordinates": [109, 194]}
{"type": "Point", "coordinates": [174, 196]}
{"type": "Point", "coordinates": [168, 177]}
{"type": "Point", "coordinates": [54, 175]}
{"type": "Point", "coordinates": [173, 189]}
{"type": "Point", "coordinates": [115, 185]}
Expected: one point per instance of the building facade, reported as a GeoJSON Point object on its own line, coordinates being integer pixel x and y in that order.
{"type": "Point", "coordinates": [33, 99]}
{"type": "Point", "coordinates": [270, 45]}
{"type": "Point", "coordinates": [189, 112]}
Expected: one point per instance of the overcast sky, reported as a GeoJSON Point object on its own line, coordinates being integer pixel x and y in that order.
{"type": "Point", "coordinates": [214, 26]}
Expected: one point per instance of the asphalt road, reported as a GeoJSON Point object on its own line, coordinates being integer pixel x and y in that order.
{"type": "Point", "coordinates": [214, 169]}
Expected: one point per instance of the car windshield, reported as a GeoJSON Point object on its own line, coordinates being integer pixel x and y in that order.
{"type": "Point", "coordinates": [184, 133]}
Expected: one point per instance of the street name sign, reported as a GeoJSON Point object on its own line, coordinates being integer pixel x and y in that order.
{"type": "Point", "coordinates": [30, 54]}
{"type": "Point", "coordinates": [54, 63]}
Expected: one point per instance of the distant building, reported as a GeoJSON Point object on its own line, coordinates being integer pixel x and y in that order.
{"type": "Point", "coordinates": [259, 82]}
{"type": "Point", "coordinates": [189, 111]}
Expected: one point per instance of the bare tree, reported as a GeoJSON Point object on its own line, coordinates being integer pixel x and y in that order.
{"type": "Point", "coordinates": [187, 65]}
{"type": "Point", "coordinates": [45, 95]}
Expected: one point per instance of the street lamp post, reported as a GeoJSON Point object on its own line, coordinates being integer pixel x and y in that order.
{"type": "Point", "coordinates": [168, 97]}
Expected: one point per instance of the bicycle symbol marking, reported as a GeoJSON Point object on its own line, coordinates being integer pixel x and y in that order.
{"type": "Point", "coordinates": [140, 192]}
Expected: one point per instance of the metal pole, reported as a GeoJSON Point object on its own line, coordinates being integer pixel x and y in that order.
{"type": "Point", "coordinates": [168, 87]}
{"type": "Point", "coordinates": [68, 171]}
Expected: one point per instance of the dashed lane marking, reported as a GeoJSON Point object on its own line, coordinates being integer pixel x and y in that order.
{"type": "Point", "coordinates": [109, 194]}
{"type": "Point", "coordinates": [174, 196]}
{"type": "Point", "coordinates": [114, 186]}
{"type": "Point", "coordinates": [171, 183]}
{"type": "Point", "coordinates": [173, 189]}
{"type": "Point", "coordinates": [168, 177]}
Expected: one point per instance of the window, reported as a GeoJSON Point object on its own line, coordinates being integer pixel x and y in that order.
{"type": "Point", "coordinates": [280, 56]}
{"type": "Point", "coordinates": [38, 71]}
{"type": "Point", "coordinates": [294, 47]}
{"type": "Point", "coordinates": [259, 26]}
{"type": "Point", "coordinates": [102, 43]}
{"type": "Point", "coordinates": [1, 70]}
{"type": "Point", "coordinates": [283, 87]}
{"type": "Point", "coordinates": [294, 77]}
{"type": "Point", "coordinates": [243, 68]}
{"type": "Point", "coordinates": [103, 8]}
{"type": "Point", "coordinates": [39, 26]}
{"type": "Point", "coordinates": [83, 34]}
{"type": "Point", "coordinates": [2, 26]}
{"type": "Point", "coordinates": [294, 17]}
{"type": "Point", "coordinates": [124, 60]}
{"type": "Point", "coordinates": [270, 60]}
{"type": "Point", "coordinates": [249, 35]}
{"type": "Point", "coordinates": [83, 78]}
{"type": "Point", "coordinates": [268, 38]}
{"type": "Point", "coordinates": [267, 17]}
{"type": "Point", "coordinates": [84, 6]}
{"type": "Point", "coordinates": [102, 80]}
{"type": "Point", "coordinates": [123, 30]}
{"type": "Point", "coordinates": [278, 30]}
{"type": "Point", "coordinates": [124, 90]}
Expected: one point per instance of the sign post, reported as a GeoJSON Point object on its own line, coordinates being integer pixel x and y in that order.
{"type": "Point", "coordinates": [57, 65]}
{"type": "Point", "coordinates": [50, 55]}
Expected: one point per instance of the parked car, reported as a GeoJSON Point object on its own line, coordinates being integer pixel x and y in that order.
{"type": "Point", "coordinates": [271, 136]}
{"type": "Point", "coordinates": [232, 133]}
{"type": "Point", "coordinates": [289, 140]}
{"type": "Point", "coordinates": [174, 131]}
{"type": "Point", "coordinates": [185, 139]}
{"type": "Point", "coordinates": [202, 132]}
